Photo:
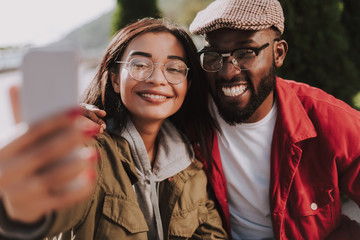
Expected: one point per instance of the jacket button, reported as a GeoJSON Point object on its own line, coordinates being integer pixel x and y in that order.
{"type": "Point", "coordinates": [314, 206]}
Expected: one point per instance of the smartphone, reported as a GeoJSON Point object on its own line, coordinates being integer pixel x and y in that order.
{"type": "Point", "coordinates": [50, 82]}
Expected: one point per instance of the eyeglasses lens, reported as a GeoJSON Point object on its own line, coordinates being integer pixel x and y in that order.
{"type": "Point", "coordinates": [213, 61]}
{"type": "Point", "coordinates": [140, 68]}
{"type": "Point", "coordinates": [174, 71]}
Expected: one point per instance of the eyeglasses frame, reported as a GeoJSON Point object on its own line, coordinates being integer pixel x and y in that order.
{"type": "Point", "coordinates": [231, 52]}
{"type": "Point", "coordinates": [153, 67]}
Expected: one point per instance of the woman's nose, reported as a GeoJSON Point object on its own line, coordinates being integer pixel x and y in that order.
{"type": "Point", "coordinates": [157, 76]}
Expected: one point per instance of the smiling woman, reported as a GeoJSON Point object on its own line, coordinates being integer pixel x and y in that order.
{"type": "Point", "coordinates": [159, 93]}
{"type": "Point", "coordinates": [150, 185]}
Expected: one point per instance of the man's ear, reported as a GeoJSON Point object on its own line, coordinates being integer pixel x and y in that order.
{"type": "Point", "coordinates": [281, 48]}
{"type": "Point", "coordinates": [115, 81]}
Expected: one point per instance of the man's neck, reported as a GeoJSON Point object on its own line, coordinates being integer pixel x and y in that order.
{"type": "Point", "coordinates": [263, 109]}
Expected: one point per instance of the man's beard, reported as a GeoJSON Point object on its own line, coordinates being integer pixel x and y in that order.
{"type": "Point", "coordinates": [233, 115]}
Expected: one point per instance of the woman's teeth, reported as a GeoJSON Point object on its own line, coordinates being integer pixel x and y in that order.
{"type": "Point", "coordinates": [234, 91]}
{"type": "Point", "coordinates": [153, 96]}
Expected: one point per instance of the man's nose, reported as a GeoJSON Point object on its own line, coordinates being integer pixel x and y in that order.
{"type": "Point", "coordinates": [229, 69]}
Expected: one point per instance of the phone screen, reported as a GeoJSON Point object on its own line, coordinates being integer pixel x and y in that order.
{"type": "Point", "coordinates": [50, 82]}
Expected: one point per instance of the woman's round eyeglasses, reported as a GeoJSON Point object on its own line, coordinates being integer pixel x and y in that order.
{"type": "Point", "coordinates": [141, 68]}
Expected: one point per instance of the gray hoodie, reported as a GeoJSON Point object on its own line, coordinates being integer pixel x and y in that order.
{"type": "Point", "coordinates": [174, 154]}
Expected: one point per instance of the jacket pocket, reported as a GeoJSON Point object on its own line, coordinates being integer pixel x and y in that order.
{"type": "Point", "coordinates": [121, 219]}
{"type": "Point", "coordinates": [311, 214]}
{"type": "Point", "coordinates": [184, 223]}
{"type": "Point", "coordinates": [312, 202]}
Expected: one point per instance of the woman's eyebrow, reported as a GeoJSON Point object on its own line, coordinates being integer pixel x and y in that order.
{"type": "Point", "coordinates": [141, 54]}
{"type": "Point", "coordinates": [176, 57]}
{"type": "Point", "coordinates": [145, 54]}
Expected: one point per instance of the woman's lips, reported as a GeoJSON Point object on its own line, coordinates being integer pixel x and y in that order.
{"type": "Point", "coordinates": [154, 96]}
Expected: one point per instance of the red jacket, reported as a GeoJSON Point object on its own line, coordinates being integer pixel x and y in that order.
{"type": "Point", "coordinates": [315, 154]}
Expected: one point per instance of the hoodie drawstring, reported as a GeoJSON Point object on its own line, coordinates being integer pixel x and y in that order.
{"type": "Point", "coordinates": [155, 203]}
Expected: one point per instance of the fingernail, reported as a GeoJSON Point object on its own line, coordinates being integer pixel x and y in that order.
{"type": "Point", "coordinates": [91, 131]}
{"type": "Point", "coordinates": [91, 174]}
{"type": "Point", "coordinates": [73, 113]}
{"type": "Point", "coordinates": [103, 126]}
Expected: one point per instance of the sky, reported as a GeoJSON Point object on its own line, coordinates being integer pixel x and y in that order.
{"type": "Point", "coordinates": [44, 21]}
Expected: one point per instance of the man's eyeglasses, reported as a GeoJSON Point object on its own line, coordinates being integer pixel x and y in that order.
{"type": "Point", "coordinates": [243, 58]}
{"type": "Point", "coordinates": [141, 68]}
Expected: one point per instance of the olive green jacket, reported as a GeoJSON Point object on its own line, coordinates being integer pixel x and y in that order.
{"type": "Point", "coordinates": [114, 213]}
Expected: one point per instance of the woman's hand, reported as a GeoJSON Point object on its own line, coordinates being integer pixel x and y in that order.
{"type": "Point", "coordinates": [95, 114]}
{"type": "Point", "coordinates": [47, 168]}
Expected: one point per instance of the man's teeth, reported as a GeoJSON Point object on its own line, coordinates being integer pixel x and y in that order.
{"type": "Point", "coordinates": [234, 91]}
{"type": "Point", "coordinates": [153, 96]}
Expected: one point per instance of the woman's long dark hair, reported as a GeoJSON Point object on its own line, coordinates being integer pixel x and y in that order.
{"type": "Point", "coordinates": [193, 117]}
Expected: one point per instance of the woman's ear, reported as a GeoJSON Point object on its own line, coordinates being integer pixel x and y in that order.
{"type": "Point", "coordinates": [281, 48]}
{"type": "Point", "coordinates": [115, 81]}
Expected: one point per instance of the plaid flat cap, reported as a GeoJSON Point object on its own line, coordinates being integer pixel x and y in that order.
{"type": "Point", "coordinates": [239, 14]}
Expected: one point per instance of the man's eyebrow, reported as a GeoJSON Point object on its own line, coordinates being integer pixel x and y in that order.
{"type": "Point", "coordinates": [141, 54]}
{"type": "Point", "coordinates": [176, 57]}
{"type": "Point", "coordinates": [245, 42]}
{"type": "Point", "coordinates": [210, 45]}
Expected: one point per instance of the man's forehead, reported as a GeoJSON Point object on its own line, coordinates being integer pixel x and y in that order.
{"type": "Point", "coordinates": [225, 37]}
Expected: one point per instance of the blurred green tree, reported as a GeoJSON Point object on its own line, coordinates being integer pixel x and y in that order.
{"type": "Point", "coordinates": [128, 11]}
{"type": "Point", "coordinates": [182, 11]}
{"type": "Point", "coordinates": [319, 48]}
{"type": "Point", "coordinates": [351, 22]}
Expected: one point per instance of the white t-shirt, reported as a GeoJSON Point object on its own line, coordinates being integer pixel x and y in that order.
{"type": "Point", "coordinates": [245, 155]}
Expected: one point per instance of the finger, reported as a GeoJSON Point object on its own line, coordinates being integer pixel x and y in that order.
{"type": "Point", "coordinates": [79, 190]}
{"type": "Point", "coordinates": [33, 199]}
{"type": "Point", "coordinates": [102, 124]}
{"type": "Point", "coordinates": [39, 157]}
{"type": "Point", "coordinates": [69, 169]}
{"type": "Point", "coordinates": [73, 192]}
{"type": "Point", "coordinates": [37, 132]}
{"type": "Point", "coordinates": [100, 113]}
{"type": "Point", "coordinates": [15, 102]}
{"type": "Point", "coordinates": [89, 114]}
{"type": "Point", "coordinates": [93, 108]}
{"type": "Point", "coordinates": [91, 118]}
{"type": "Point", "coordinates": [88, 106]}
{"type": "Point", "coordinates": [55, 179]}
{"type": "Point", "coordinates": [94, 113]}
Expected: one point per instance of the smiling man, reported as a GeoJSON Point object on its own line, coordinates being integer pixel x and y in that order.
{"type": "Point", "coordinates": [285, 150]}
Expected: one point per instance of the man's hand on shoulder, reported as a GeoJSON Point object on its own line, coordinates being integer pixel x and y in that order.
{"type": "Point", "coordinates": [94, 114]}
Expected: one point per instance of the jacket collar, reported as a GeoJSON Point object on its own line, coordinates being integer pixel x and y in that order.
{"type": "Point", "coordinates": [292, 117]}
{"type": "Point", "coordinates": [127, 162]}
{"type": "Point", "coordinates": [129, 165]}
{"type": "Point", "coordinates": [292, 126]}
{"type": "Point", "coordinates": [124, 147]}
